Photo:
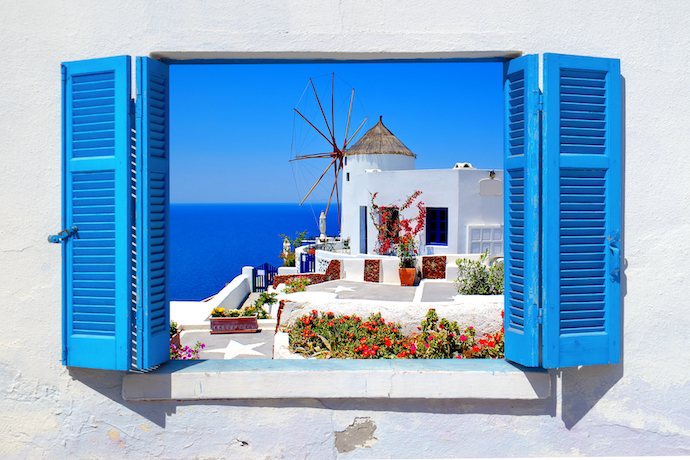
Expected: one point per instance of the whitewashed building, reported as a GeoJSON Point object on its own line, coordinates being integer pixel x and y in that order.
{"type": "Point", "coordinates": [464, 205]}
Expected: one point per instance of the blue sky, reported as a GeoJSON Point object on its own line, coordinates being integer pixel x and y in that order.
{"type": "Point", "coordinates": [234, 130]}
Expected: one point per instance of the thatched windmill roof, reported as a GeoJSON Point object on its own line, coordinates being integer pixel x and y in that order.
{"type": "Point", "coordinates": [378, 141]}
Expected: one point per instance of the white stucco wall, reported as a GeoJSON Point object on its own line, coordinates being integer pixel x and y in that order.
{"type": "Point", "coordinates": [455, 189]}
{"type": "Point", "coordinates": [637, 407]}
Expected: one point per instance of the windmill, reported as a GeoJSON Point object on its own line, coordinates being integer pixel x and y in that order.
{"type": "Point", "coordinates": [335, 146]}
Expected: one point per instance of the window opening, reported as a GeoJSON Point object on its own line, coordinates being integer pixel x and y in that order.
{"type": "Point", "coordinates": [437, 226]}
{"type": "Point", "coordinates": [232, 185]}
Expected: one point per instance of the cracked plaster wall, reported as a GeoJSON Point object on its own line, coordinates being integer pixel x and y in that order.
{"type": "Point", "coordinates": [637, 407]}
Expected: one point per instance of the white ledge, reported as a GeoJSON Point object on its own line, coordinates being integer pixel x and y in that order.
{"type": "Point", "coordinates": [335, 378]}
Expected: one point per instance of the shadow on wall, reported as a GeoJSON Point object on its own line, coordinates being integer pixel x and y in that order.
{"type": "Point", "coordinates": [109, 385]}
{"type": "Point", "coordinates": [583, 387]}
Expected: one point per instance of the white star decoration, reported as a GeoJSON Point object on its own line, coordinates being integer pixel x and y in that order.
{"type": "Point", "coordinates": [343, 288]}
{"type": "Point", "coordinates": [235, 349]}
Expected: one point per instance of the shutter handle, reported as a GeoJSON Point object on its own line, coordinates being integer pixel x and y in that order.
{"type": "Point", "coordinates": [614, 240]}
{"type": "Point", "coordinates": [616, 268]}
{"type": "Point", "coordinates": [63, 235]}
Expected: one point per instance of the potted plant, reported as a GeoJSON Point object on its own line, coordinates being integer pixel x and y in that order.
{"type": "Point", "coordinates": [407, 251]}
{"type": "Point", "coordinates": [232, 322]}
{"type": "Point", "coordinates": [174, 334]}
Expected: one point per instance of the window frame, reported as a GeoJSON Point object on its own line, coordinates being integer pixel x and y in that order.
{"type": "Point", "coordinates": [439, 222]}
{"type": "Point", "coordinates": [169, 58]}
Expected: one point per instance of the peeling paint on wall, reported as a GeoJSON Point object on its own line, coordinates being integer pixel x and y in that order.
{"type": "Point", "coordinates": [359, 434]}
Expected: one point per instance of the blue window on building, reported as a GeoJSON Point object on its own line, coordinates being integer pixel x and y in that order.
{"type": "Point", "coordinates": [437, 226]}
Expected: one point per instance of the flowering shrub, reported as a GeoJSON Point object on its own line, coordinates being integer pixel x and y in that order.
{"type": "Point", "coordinates": [396, 234]}
{"type": "Point", "coordinates": [475, 278]}
{"type": "Point", "coordinates": [296, 284]}
{"type": "Point", "coordinates": [186, 352]}
{"type": "Point", "coordinates": [325, 335]}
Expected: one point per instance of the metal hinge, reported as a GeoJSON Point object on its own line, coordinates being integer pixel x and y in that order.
{"type": "Point", "coordinates": [541, 102]}
{"type": "Point", "coordinates": [540, 316]}
{"type": "Point", "coordinates": [132, 107]}
{"type": "Point", "coordinates": [64, 73]}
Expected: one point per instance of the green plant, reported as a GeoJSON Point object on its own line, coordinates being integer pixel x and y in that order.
{"type": "Point", "coordinates": [407, 250]}
{"type": "Point", "coordinates": [265, 298]}
{"type": "Point", "coordinates": [174, 328]}
{"type": "Point", "coordinates": [289, 256]}
{"type": "Point", "coordinates": [475, 278]}
{"type": "Point", "coordinates": [296, 284]}
{"type": "Point", "coordinates": [438, 338]}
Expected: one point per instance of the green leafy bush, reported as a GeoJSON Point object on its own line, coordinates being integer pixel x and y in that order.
{"type": "Point", "coordinates": [475, 278]}
{"type": "Point", "coordinates": [174, 328]}
{"type": "Point", "coordinates": [289, 257]}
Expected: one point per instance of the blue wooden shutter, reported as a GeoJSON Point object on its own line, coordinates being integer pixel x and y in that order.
{"type": "Point", "coordinates": [581, 210]}
{"type": "Point", "coordinates": [97, 262]}
{"type": "Point", "coordinates": [153, 258]}
{"type": "Point", "coordinates": [521, 210]}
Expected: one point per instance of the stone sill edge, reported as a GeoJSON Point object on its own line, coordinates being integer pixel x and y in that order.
{"type": "Point", "coordinates": [329, 379]}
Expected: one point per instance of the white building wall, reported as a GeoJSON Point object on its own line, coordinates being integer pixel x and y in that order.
{"type": "Point", "coordinates": [455, 189]}
{"type": "Point", "coordinates": [355, 167]}
{"type": "Point", "coordinates": [637, 407]}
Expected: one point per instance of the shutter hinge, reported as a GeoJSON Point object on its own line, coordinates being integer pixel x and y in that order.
{"type": "Point", "coordinates": [541, 102]}
{"type": "Point", "coordinates": [132, 107]}
{"type": "Point", "coordinates": [64, 73]}
{"type": "Point", "coordinates": [540, 316]}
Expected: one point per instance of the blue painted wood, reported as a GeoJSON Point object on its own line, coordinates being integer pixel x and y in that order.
{"type": "Point", "coordinates": [264, 275]}
{"type": "Point", "coordinates": [437, 226]}
{"type": "Point", "coordinates": [307, 263]}
{"type": "Point", "coordinates": [581, 210]}
{"type": "Point", "coordinates": [521, 211]}
{"type": "Point", "coordinates": [153, 197]}
{"type": "Point", "coordinates": [97, 268]}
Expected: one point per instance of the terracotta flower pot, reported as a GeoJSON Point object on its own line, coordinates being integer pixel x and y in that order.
{"type": "Point", "coordinates": [234, 325]}
{"type": "Point", "coordinates": [175, 339]}
{"type": "Point", "coordinates": [406, 276]}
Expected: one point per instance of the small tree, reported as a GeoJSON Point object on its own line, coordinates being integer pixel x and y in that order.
{"type": "Point", "coordinates": [289, 256]}
{"type": "Point", "coordinates": [395, 233]}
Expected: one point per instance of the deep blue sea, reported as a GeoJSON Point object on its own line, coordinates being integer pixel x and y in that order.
{"type": "Point", "coordinates": [210, 243]}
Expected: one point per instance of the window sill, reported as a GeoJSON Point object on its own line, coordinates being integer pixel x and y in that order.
{"type": "Point", "coordinates": [334, 378]}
